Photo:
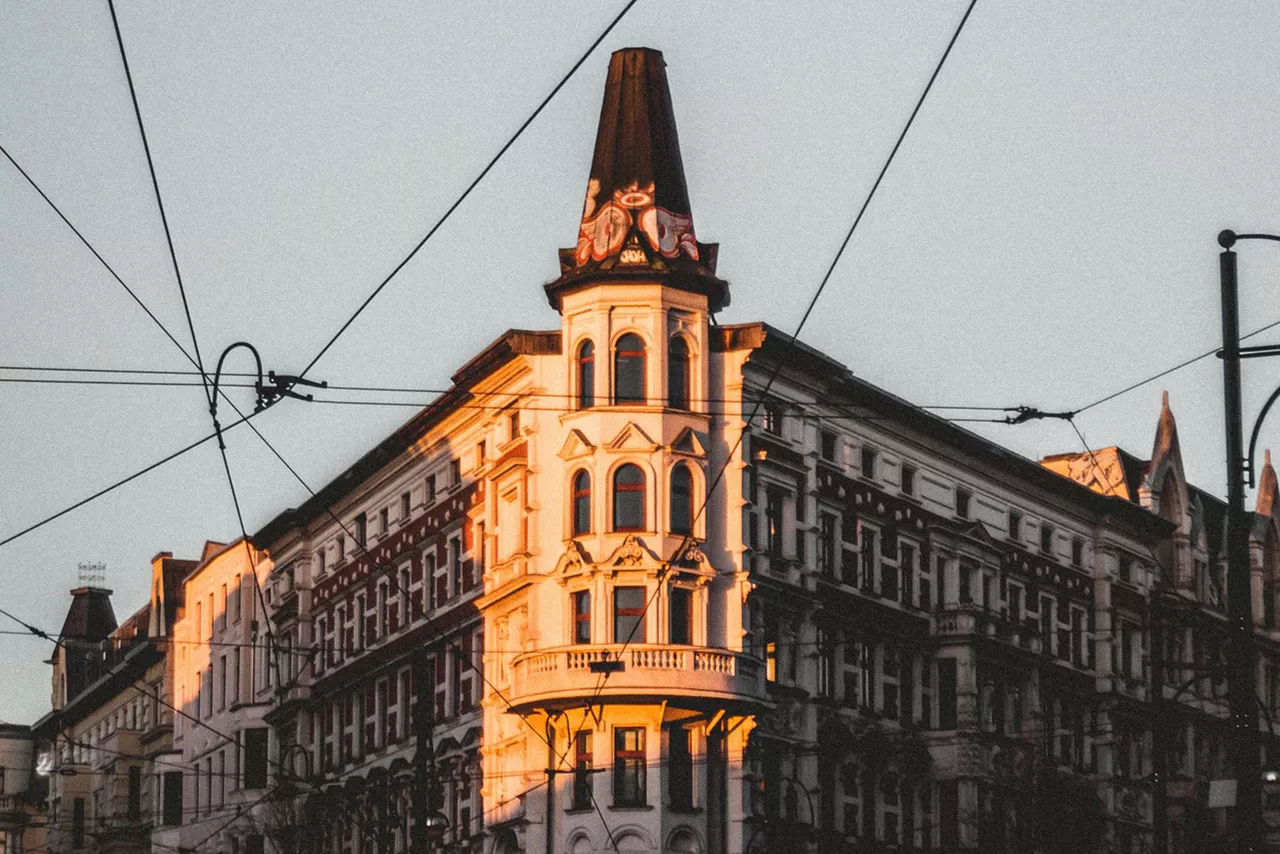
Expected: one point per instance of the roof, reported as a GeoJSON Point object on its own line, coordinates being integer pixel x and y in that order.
{"type": "Point", "coordinates": [90, 617]}
{"type": "Point", "coordinates": [775, 345]}
{"type": "Point", "coordinates": [508, 346]}
{"type": "Point", "coordinates": [636, 220]}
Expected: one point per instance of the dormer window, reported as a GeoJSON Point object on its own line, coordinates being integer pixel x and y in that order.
{"type": "Point", "coordinates": [586, 375]}
{"type": "Point", "coordinates": [678, 373]}
{"type": "Point", "coordinates": [629, 370]}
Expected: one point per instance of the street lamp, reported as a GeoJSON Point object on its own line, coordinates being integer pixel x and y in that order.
{"type": "Point", "coordinates": [1242, 658]}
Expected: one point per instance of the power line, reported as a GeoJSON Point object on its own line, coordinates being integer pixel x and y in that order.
{"type": "Point", "coordinates": [1206, 354]}
{"type": "Point", "coordinates": [155, 184]}
{"type": "Point", "coordinates": [483, 172]}
{"type": "Point", "coordinates": [123, 481]}
{"type": "Point", "coordinates": [777, 369]}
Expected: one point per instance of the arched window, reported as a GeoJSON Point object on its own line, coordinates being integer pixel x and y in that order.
{"type": "Point", "coordinates": [581, 503]}
{"type": "Point", "coordinates": [586, 375]}
{"type": "Point", "coordinates": [628, 499]}
{"type": "Point", "coordinates": [681, 500]}
{"type": "Point", "coordinates": [628, 370]}
{"type": "Point", "coordinates": [678, 373]}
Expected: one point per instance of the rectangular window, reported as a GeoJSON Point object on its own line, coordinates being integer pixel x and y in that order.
{"type": "Point", "coordinates": [233, 604]}
{"type": "Point", "coordinates": [1015, 525]}
{"type": "Point", "coordinates": [908, 485]}
{"type": "Point", "coordinates": [384, 520]}
{"type": "Point", "coordinates": [681, 615]}
{"type": "Point", "coordinates": [828, 545]}
{"type": "Point", "coordinates": [680, 769]}
{"type": "Point", "coordinates": [1015, 605]}
{"type": "Point", "coordinates": [455, 558]}
{"type": "Point", "coordinates": [582, 771]}
{"type": "Point", "coordinates": [1077, 552]}
{"type": "Point", "coordinates": [964, 498]}
{"type": "Point", "coordinates": [1046, 622]}
{"type": "Point", "coordinates": [867, 562]}
{"type": "Point", "coordinates": [773, 418]}
{"type": "Point", "coordinates": [362, 530]}
{"type": "Point", "coordinates": [172, 803]}
{"type": "Point", "coordinates": [406, 504]}
{"type": "Point", "coordinates": [947, 711]}
{"type": "Point", "coordinates": [513, 425]}
{"type": "Point", "coordinates": [629, 767]}
{"type": "Point", "coordinates": [254, 761]}
{"type": "Point", "coordinates": [481, 452]}
{"type": "Point", "coordinates": [455, 472]}
{"type": "Point", "coordinates": [868, 462]}
{"type": "Point", "coordinates": [966, 584]}
{"type": "Point", "coordinates": [342, 549]}
{"type": "Point", "coordinates": [77, 823]}
{"type": "Point", "coordinates": [773, 522]}
{"type": "Point", "coordinates": [134, 806]}
{"type": "Point", "coordinates": [628, 614]}
{"type": "Point", "coordinates": [582, 617]}
{"type": "Point", "coordinates": [829, 446]}
{"type": "Point", "coordinates": [222, 683]}
{"type": "Point", "coordinates": [1077, 636]}
{"type": "Point", "coordinates": [1046, 538]}
{"type": "Point", "coordinates": [431, 488]}
{"type": "Point", "coordinates": [1126, 569]}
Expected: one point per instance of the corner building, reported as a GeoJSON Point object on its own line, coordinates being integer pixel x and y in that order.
{"type": "Point", "coordinates": [638, 618]}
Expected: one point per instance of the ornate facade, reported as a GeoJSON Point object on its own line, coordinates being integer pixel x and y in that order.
{"type": "Point", "coordinates": [647, 582]}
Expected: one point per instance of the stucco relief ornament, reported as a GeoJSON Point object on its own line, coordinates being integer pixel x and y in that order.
{"type": "Point", "coordinates": [630, 553]}
{"type": "Point", "coordinates": [604, 228]}
{"type": "Point", "coordinates": [573, 559]}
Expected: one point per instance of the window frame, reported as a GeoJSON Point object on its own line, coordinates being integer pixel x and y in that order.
{"type": "Point", "coordinates": [640, 488]}
{"type": "Point", "coordinates": [639, 634]}
{"type": "Point", "coordinates": [686, 517]}
{"type": "Point", "coordinates": [632, 359]}
{"type": "Point", "coordinates": [580, 618]}
{"type": "Point", "coordinates": [580, 516]}
{"type": "Point", "coordinates": [631, 762]}
{"type": "Point", "coordinates": [684, 374]}
{"type": "Point", "coordinates": [584, 372]}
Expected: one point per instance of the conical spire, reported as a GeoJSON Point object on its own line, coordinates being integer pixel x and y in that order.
{"type": "Point", "coordinates": [637, 221]}
{"type": "Point", "coordinates": [1166, 432]}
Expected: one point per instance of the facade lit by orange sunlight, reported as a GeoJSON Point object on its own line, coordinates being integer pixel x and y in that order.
{"type": "Point", "coordinates": [653, 582]}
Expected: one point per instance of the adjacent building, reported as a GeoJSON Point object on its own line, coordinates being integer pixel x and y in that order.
{"type": "Point", "coordinates": [22, 797]}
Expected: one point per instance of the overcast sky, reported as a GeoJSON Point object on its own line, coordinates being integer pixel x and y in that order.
{"type": "Point", "coordinates": [1045, 236]}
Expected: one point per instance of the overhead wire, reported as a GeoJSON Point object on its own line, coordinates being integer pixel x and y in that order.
{"type": "Point", "coordinates": [777, 369]}
{"type": "Point", "coordinates": [465, 193]}
{"type": "Point", "coordinates": [155, 185]}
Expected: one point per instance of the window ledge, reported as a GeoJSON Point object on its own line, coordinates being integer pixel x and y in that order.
{"type": "Point", "coordinates": [616, 808]}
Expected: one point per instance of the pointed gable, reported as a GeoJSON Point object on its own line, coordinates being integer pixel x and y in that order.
{"type": "Point", "coordinates": [1166, 453]}
{"type": "Point", "coordinates": [633, 438]}
{"type": "Point", "coordinates": [688, 442]}
{"type": "Point", "coordinates": [576, 445]}
{"type": "Point", "coordinates": [636, 220]}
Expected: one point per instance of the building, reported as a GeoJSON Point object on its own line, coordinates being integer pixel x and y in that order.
{"type": "Point", "coordinates": [652, 582]}
{"type": "Point", "coordinates": [103, 745]}
{"type": "Point", "coordinates": [219, 660]}
{"type": "Point", "coordinates": [22, 795]}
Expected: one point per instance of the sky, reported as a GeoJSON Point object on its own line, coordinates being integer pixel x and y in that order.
{"type": "Point", "coordinates": [1045, 236]}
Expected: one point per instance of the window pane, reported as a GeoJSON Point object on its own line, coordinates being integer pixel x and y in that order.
{"type": "Point", "coordinates": [628, 614]}
{"type": "Point", "coordinates": [581, 503]}
{"type": "Point", "coordinates": [681, 500]}
{"type": "Point", "coordinates": [629, 368]}
{"type": "Point", "coordinates": [678, 374]}
{"type": "Point", "coordinates": [628, 767]}
{"type": "Point", "coordinates": [681, 615]}
{"type": "Point", "coordinates": [628, 499]}
{"type": "Point", "coordinates": [582, 617]}
{"type": "Point", "coordinates": [586, 375]}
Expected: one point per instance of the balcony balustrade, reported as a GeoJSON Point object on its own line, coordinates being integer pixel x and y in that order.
{"type": "Point", "coordinates": [681, 675]}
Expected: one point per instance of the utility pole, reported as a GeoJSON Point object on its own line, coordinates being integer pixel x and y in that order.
{"type": "Point", "coordinates": [428, 822]}
{"type": "Point", "coordinates": [1241, 654]}
{"type": "Point", "coordinates": [1159, 733]}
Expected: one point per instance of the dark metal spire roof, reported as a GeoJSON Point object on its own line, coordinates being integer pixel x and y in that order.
{"type": "Point", "coordinates": [637, 220]}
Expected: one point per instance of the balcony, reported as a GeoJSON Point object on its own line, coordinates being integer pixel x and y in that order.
{"type": "Point", "coordinates": [684, 676]}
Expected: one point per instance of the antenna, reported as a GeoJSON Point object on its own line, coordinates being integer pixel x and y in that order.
{"type": "Point", "coordinates": [91, 574]}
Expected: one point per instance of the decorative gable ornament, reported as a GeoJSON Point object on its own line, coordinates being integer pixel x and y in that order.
{"type": "Point", "coordinates": [576, 445]}
{"type": "Point", "coordinates": [632, 438]}
{"type": "Point", "coordinates": [689, 442]}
